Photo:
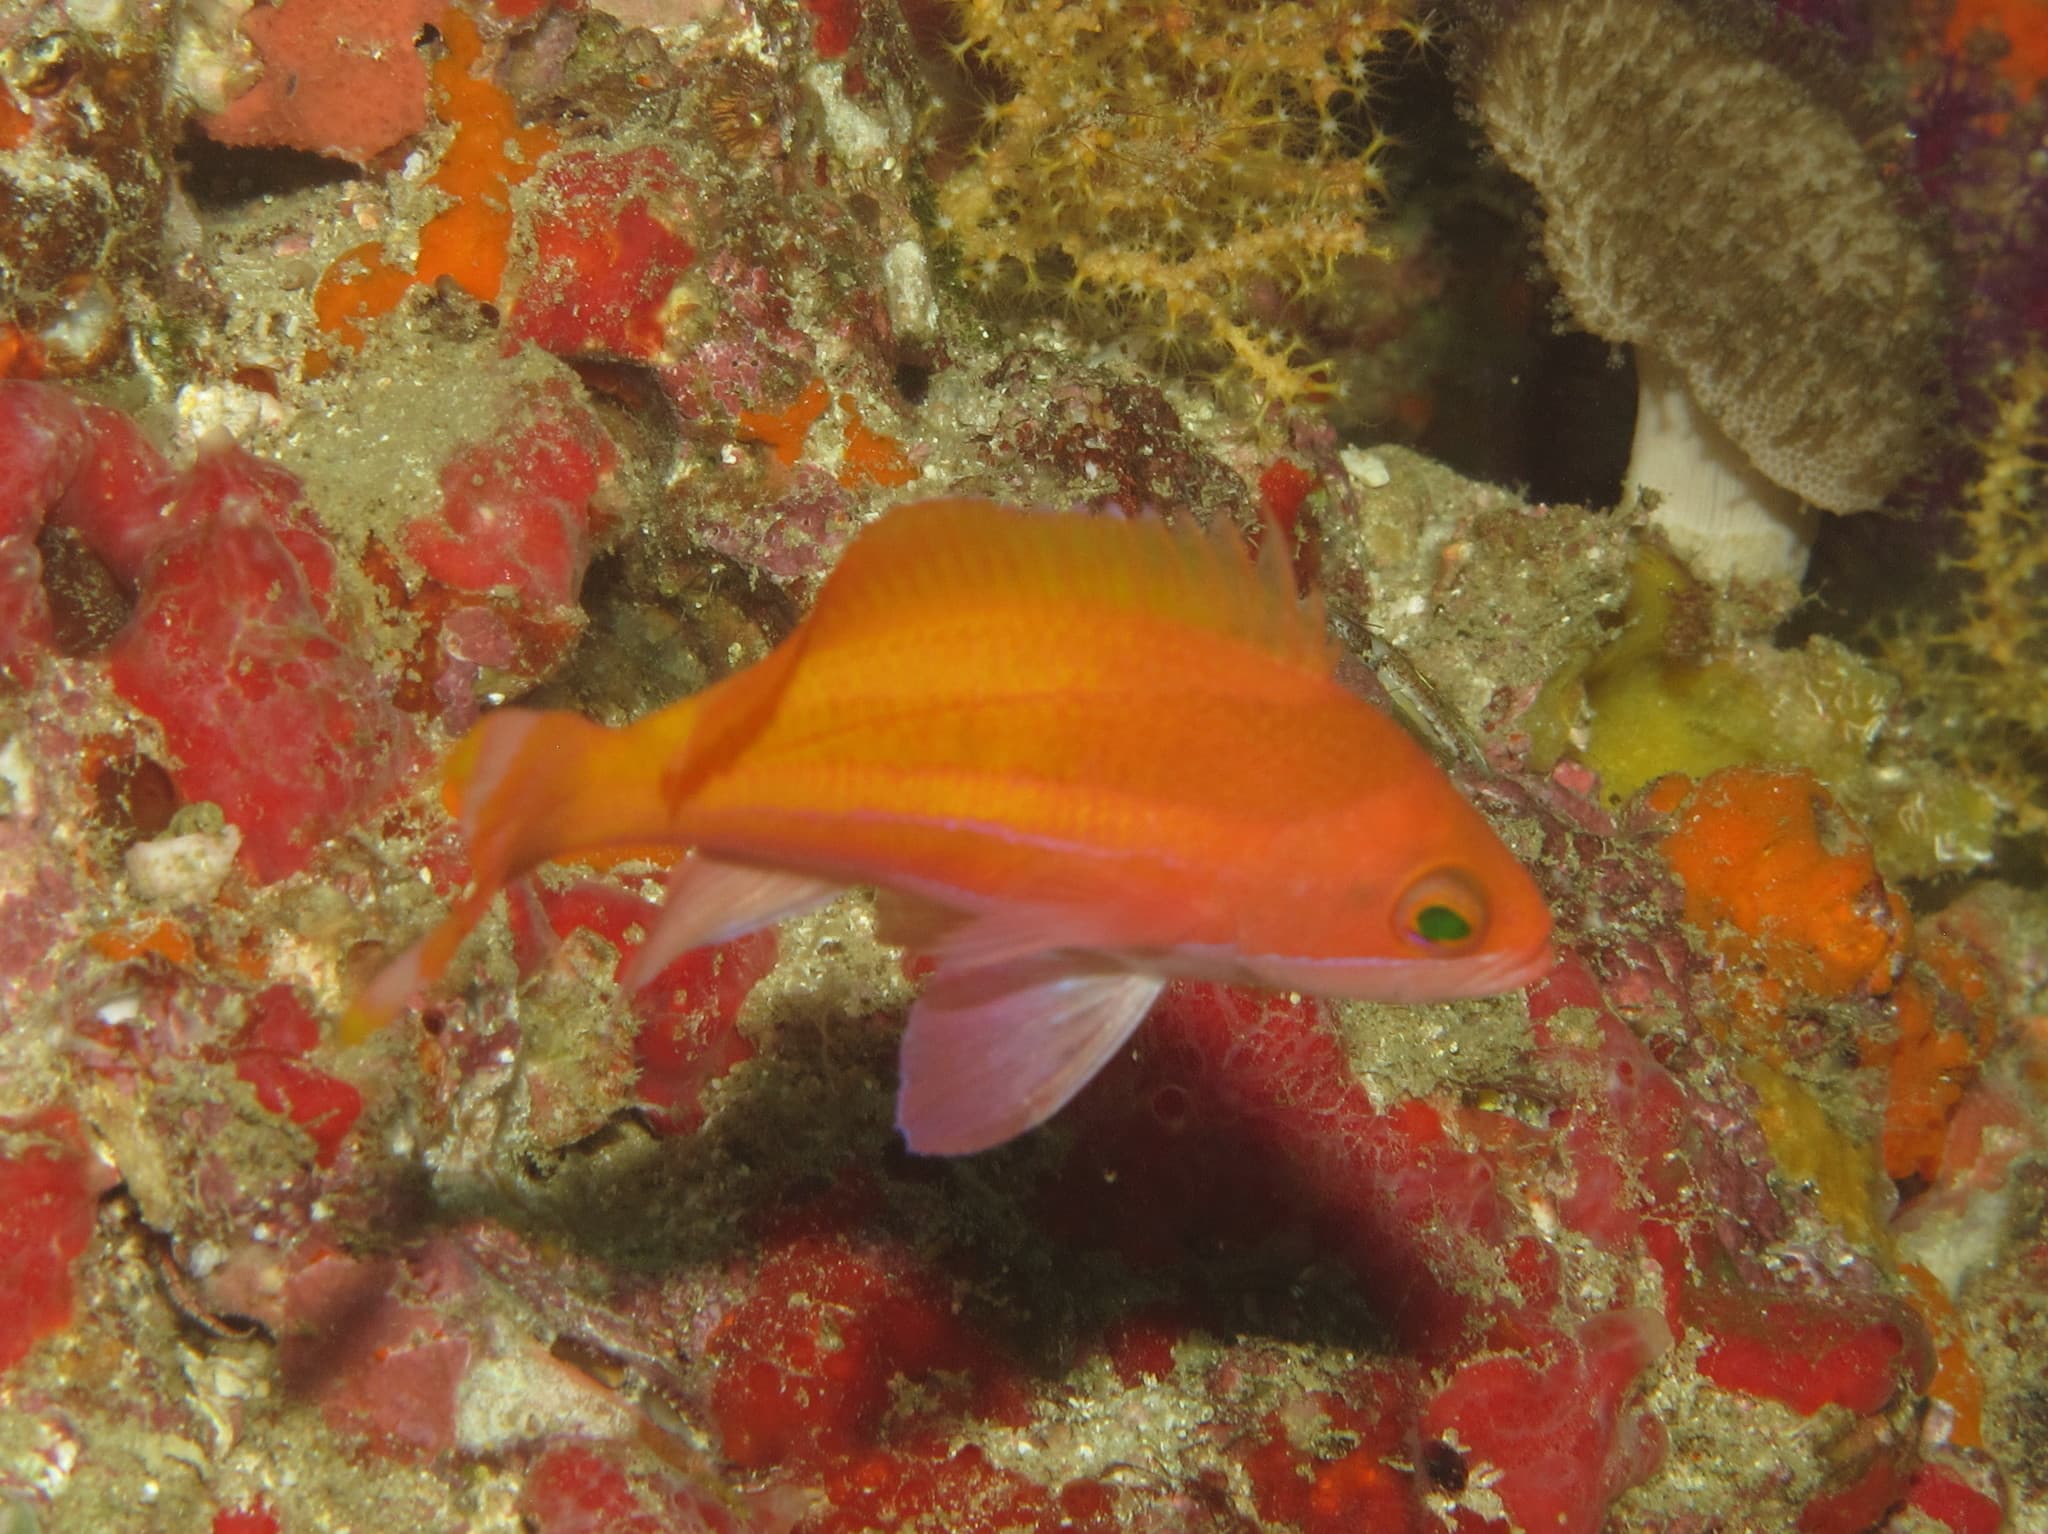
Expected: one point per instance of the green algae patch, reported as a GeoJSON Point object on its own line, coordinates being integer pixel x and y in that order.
{"type": "Point", "coordinates": [1673, 691]}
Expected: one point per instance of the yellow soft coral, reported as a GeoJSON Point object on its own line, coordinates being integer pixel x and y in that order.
{"type": "Point", "coordinates": [1179, 171]}
{"type": "Point", "coordinates": [1975, 669]}
{"type": "Point", "coordinates": [1810, 1149]}
{"type": "Point", "coordinates": [1670, 694]}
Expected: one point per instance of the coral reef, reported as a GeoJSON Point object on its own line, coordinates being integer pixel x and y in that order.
{"type": "Point", "coordinates": [488, 153]}
{"type": "Point", "coordinates": [1682, 688]}
{"type": "Point", "coordinates": [564, 376]}
{"type": "Point", "coordinates": [234, 633]}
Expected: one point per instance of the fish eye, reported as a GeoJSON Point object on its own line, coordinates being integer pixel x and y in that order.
{"type": "Point", "coordinates": [1442, 911]}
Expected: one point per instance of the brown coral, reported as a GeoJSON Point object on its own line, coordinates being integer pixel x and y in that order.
{"type": "Point", "coordinates": [1178, 172]}
{"type": "Point", "coordinates": [1702, 203]}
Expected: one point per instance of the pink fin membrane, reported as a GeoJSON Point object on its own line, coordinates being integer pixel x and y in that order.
{"type": "Point", "coordinates": [993, 1051]}
{"type": "Point", "coordinates": [712, 902]}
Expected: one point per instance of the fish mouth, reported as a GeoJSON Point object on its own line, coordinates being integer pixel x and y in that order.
{"type": "Point", "coordinates": [1512, 969]}
{"type": "Point", "coordinates": [1408, 980]}
{"type": "Point", "coordinates": [1480, 975]}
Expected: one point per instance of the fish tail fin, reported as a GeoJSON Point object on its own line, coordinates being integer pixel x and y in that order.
{"type": "Point", "coordinates": [526, 786]}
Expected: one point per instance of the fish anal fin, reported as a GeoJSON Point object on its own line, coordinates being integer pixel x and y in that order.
{"type": "Point", "coordinates": [974, 940]}
{"type": "Point", "coordinates": [710, 901]}
{"type": "Point", "coordinates": [991, 1052]}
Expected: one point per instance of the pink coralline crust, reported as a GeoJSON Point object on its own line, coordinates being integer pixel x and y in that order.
{"type": "Point", "coordinates": [42, 887]}
{"type": "Point", "coordinates": [504, 552]}
{"type": "Point", "coordinates": [630, 262]}
{"type": "Point", "coordinates": [47, 1199]}
{"type": "Point", "coordinates": [325, 1106]}
{"type": "Point", "coordinates": [930, 1483]}
{"type": "Point", "coordinates": [1946, 1495]}
{"type": "Point", "coordinates": [72, 465]}
{"type": "Point", "coordinates": [24, 610]}
{"type": "Point", "coordinates": [1140, 1346]}
{"type": "Point", "coordinates": [834, 25]}
{"type": "Point", "coordinates": [226, 483]}
{"type": "Point", "coordinates": [799, 535]}
{"type": "Point", "coordinates": [577, 1488]}
{"type": "Point", "coordinates": [1860, 1506]}
{"type": "Point", "coordinates": [1627, 1190]}
{"type": "Point", "coordinates": [689, 1036]}
{"type": "Point", "coordinates": [369, 1340]}
{"type": "Point", "coordinates": [340, 77]}
{"type": "Point", "coordinates": [234, 645]}
{"type": "Point", "coordinates": [519, 509]}
{"type": "Point", "coordinates": [621, 270]}
{"type": "Point", "coordinates": [688, 1014]}
{"type": "Point", "coordinates": [611, 252]}
{"type": "Point", "coordinates": [252, 1518]}
{"type": "Point", "coordinates": [1809, 1353]}
{"type": "Point", "coordinates": [1371, 1484]}
{"type": "Point", "coordinates": [269, 1055]}
{"type": "Point", "coordinates": [810, 1363]}
{"type": "Point", "coordinates": [229, 652]}
{"type": "Point", "coordinates": [1235, 1115]}
{"type": "Point", "coordinates": [119, 500]}
{"type": "Point", "coordinates": [1553, 1423]}
{"type": "Point", "coordinates": [1646, 1178]}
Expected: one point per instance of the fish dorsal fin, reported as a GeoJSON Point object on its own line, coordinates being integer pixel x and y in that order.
{"type": "Point", "coordinates": [969, 554]}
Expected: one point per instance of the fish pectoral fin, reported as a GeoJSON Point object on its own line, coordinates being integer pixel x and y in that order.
{"type": "Point", "coordinates": [977, 940]}
{"type": "Point", "coordinates": [713, 902]}
{"type": "Point", "coordinates": [993, 1051]}
{"type": "Point", "coordinates": [909, 921]}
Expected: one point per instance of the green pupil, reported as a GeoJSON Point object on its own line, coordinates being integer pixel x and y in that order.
{"type": "Point", "coordinates": [1440, 924]}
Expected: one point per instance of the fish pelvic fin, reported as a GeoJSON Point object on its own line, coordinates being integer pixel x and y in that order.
{"type": "Point", "coordinates": [710, 901]}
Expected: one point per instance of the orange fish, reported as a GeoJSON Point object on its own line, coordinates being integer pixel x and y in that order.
{"type": "Point", "coordinates": [1077, 756]}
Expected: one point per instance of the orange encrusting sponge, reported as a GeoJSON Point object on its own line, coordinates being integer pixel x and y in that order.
{"type": "Point", "coordinates": [1956, 1378]}
{"type": "Point", "coordinates": [783, 432]}
{"type": "Point", "coordinates": [866, 456]}
{"type": "Point", "coordinates": [2023, 23]}
{"type": "Point", "coordinates": [1787, 896]}
{"type": "Point", "coordinates": [466, 242]}
{"type": "Point", "coordinates": [1947, 1023]}
{"type": "Point", "coordinates": [1786, 891]}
